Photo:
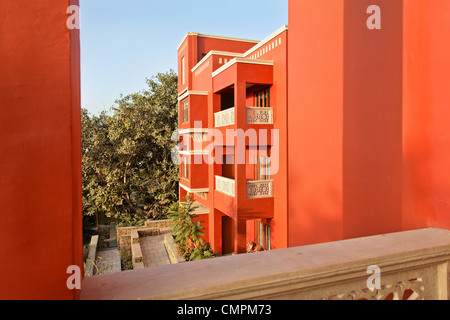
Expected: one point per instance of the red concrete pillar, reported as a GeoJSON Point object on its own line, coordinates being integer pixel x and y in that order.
{"type": "Point", "coordinates": [315, 121]}
{"type": "Point", "coordinates": [240, 166]}
{"type": "Point", "coordinates": [240, 144]}
{"type": "Point", "coordinates": [40, 143]}
{"type": "Point", "coordinates": [215, 231]}
{"type": "Point", "coordinates": [240, 237]}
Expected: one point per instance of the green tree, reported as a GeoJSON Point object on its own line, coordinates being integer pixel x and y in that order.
{"type": "Point", "coordinates": [128, 172]}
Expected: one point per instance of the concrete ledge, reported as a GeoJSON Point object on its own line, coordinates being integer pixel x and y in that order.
{"type": "Point", "coordinates": [137, 255]}
{"type": "Point", "coordinates": [139, 265]}
{"type": "Point", "coordinates": [134, 237]}
{"type": "Point", "coordinates": [161, 224]}
{"type": "Point", "coordinates": [92, 256]}
{"type": "Point", "coordinates": [149, 232]}
{"type": "Point", "coordinates": [172, 251]}
{"type": "Point", "coordinates": [417, 259]}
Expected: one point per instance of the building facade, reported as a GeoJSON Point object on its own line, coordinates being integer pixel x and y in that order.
{"type": "Point", "coordinates": [232, 98]}
{"type": "Point", "coordinates": [331, 129]}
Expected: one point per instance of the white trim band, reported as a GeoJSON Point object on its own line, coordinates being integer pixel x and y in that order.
{"type": "Point", "coordinates": [242, 60]}
{"type": "Point", "coordinates": [217, 53]}
{"type": "Point", "coordinates": [205, 190]}
{"type": "Point", "coordinates": [193, 93]}
{"type": "Point", "coordinates": [269, 38]}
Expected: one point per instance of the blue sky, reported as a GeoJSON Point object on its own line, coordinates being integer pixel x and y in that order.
{"type": "Point", "coordinates": [125, 42]}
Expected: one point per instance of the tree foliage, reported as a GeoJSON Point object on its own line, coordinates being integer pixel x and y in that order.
{"type": "Point", "coordinates": [128, 172]}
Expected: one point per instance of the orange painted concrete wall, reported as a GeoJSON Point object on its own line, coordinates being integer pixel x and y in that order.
{"type": "Point", "coordinates": [368, 146]}
{"type": "Point", "coordinates": [426, 114]}
{"type": "Point", "coordinates": [40, 143]}
{"type": "Point", "coordinates": [315, 121]}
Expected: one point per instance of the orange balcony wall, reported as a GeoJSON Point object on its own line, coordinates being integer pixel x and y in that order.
{"type": "Point", "coordinates": [240, 70]}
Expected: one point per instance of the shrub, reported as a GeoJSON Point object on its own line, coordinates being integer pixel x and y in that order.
{"type": "Point", "coordinates": [188, 232]}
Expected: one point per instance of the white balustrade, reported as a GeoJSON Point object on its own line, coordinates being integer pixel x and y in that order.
{"type": "Point", "coordinates": [224, 118]}
{"type": "Point", "coordinates": [226, 186]}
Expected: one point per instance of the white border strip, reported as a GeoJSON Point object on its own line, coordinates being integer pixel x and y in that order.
{"type": "Point", "coordinates": [194, 153]}
{"type": "Point", "coordinates": [242, 60]}
{"type": "Point", "coordinates": [205, 190]}
{"type": "Point", "coordinates": [193, 130]}
{"type": "Point", "coordinates": [185, 37]}
{"type": "Point", "coordinates": [192, 93]}
{"type": "Point", "coordinates": [267, 39]}
{"type": "Point", "coordinates": [218, 53]}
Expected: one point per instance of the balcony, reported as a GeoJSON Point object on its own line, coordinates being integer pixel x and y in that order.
{"type": "Point", "coordinates": [255, 189]}
{"type": "Point", "coordinates": [226, 186]}
{"type": "Point", "coordinates": [259, 189]}
{"type": "Point", "coordinates": [224, 118]}
{"type": "Point", "coordinates": [413, 265]}
{"type": "Point", "coordinates": [257, 115]}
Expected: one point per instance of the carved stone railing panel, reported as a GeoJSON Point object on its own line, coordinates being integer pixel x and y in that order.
{"type": "Point", "coordinates": [412, 289]}
{"type": "Point", "coordinates": [226, 186]}
{"type": "Point", "coordinates": [257, 115]}
{"type": "Point", "coordinates": [259, 189]}
{"type": "Point", "coordinates": [224, 118]}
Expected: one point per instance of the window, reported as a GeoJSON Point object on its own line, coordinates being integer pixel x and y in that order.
{"type": "Point", "coordinates": [185, 168]}
{"type": "Point", "coordinates": [262, 234]}
{"type": "Point", "coordinates": [262, 98]}
{"type": "Point", "coordinates": [183, 71]}
{"type": "Point", "coordinates": [262, 168]}
{"type": "Point", "coordinates": [185, 111]}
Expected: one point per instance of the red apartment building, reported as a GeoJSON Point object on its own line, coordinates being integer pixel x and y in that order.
{"type": "Point", "coordinates": [227, 85]}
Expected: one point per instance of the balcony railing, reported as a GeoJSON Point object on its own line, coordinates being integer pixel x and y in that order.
{"type": "Point", "coordinates": [257, 115]}
{"type": "Point", "coordinates": [226, 186]}
{"type": "Point", "coordinates": [259, 189]}
{"type": "Point", "coordinates": [224, 118]}
{"type": "Point", "coordinates": [412, 265]}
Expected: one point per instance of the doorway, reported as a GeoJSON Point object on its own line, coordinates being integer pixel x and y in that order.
{"type": "Point", "coordinates": [227, 235]}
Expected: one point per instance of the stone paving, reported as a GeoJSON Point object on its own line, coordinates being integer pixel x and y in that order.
{"type": "Point", "coordinates": [108, 261]}
{"type": "Point", "coordinates": [154, 251]}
